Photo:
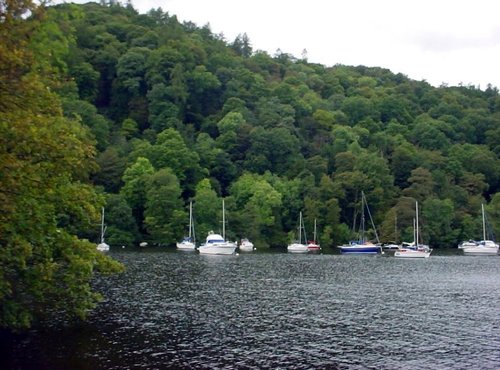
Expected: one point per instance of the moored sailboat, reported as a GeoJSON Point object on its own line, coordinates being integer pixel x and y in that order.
{"type": "Point", "coordinates": [483, 247]}
{"type": "Point", "coordinates": [297, 246]}
{"type": "Point", "coordinates": [189, 242]}
{"type": "Point", "coordinates": [102, 246]}
{"type": "Point", "coordinates": [216, 243]}
{"type": "Point", "coordinates": [313, 245]}
{"type": "Point", "coordinates": [362, 246]}
{"type": "Point", "coordinates": [414, 250]}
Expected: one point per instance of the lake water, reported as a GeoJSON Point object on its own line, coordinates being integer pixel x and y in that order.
{"type": "Point", "coordinates": [182, 310]}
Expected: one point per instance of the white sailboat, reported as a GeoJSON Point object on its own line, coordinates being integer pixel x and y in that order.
{"type": "Point", "coordinates": [189, 242]}
{"type": "Point", "coordinates": [484, 247]}
{"type": "Point", "coordinates": [297, 246]}
{"type": "Point", "coordinates": [102, 246]}
{"type": "Point", "coordinates": [414, 250]}
{"type": "Point", "coordinates": [216, 243]}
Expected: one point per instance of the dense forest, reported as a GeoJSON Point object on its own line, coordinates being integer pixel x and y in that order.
{"type": "Point", "coordinates": [141, 114]}
{"type": "Point", "coordinates": [180, 114]}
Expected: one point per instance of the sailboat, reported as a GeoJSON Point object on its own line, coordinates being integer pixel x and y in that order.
{"type": "Point", "coordinates": [297, 246]}
{"type": "Point", "coordinates": [362, 246]}
{"type": "Point", "coordinates": [189, 242]}
{"type": "Point", "coordinates": [484, 247]}
{"type": "Point", "coordinates": [414, 250]}
{"type": "Point", "coordinates": [313, 245]}
{"type": "Point", "coordinates": [102, 246]}
{"type": "Point", "coordinates": [216, 243]}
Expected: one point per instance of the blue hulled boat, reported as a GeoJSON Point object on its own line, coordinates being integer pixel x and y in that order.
{"type": "Point", "coordinates": [362, 246]}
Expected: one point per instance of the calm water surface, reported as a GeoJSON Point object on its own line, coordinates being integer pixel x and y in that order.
{"type": "Point", "coordinates": [182, 310]}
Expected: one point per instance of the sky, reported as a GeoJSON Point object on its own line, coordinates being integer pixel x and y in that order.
{"type": "Point", "coordinates": [440, 41]}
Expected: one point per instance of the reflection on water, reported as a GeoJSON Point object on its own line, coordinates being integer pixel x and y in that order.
{"type": "Point", "coordinates": [268, 311]}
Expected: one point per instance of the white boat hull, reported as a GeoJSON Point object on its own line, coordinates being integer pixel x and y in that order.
{"type": "Point", "coordinates": [246, 247]}
{"type": "Point", "coordinates": [186, 246]}
{"type": "Point", "coordinates": [411, 253]}
{"type": "Point", "coordinates": [103, 247]}
{"type": "Point", "coordinates": [481, 250]}
{"type": "Point", "coordinates": [467, 244]}
{"type": "Point", "coordinates": [222, 248]}
{"type": "Point", "coordinates": [297, 248]}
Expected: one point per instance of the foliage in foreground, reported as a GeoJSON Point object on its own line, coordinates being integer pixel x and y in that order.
{"type": "Point", "coordinates": [45, 162]}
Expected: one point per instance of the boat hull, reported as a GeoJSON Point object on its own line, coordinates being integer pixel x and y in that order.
{"type": "Point", "coordinates": [313, 247]}
{"type": "Point", "coordinates": [222, 248]}
{"type": "Point", "coordinates": [246, 246]}
{"type": "Point", "coordinates": [297, 248]}
{"type": "Point", "coordinates": [103, 247]}
{"type": "Point", "coordinates": [390, 247]}
{"type": "Point", "coordinates": [480, 251]}
{"type": "Point", "coordinates": [186, 246]}
{"type": "Point", "coordinates": [411, 253]}
{"type": "Point", "coordinates": [359, 249]}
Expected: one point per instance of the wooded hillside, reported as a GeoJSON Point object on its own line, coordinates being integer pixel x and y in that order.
{"type": "Point", "coordinates": [179, 113]}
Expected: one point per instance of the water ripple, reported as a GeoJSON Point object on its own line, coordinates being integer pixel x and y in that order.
{"type": "Point", "coordinates": [282, 311]}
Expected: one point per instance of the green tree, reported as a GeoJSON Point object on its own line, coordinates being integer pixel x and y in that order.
{"type": "Point", "coordinates": [257, 203]}
{"type": "Point", "coordinates": [45, 162]}
{"type": "Point", "coordinates": [438, 217]}
{"type": "Point", "coordinates": [135, 179]}
{"type": "Point", "coordinates": [111, 167]}
{"type": "Point", "coordinates": [205, 208]}
{"type": "Point", "coordinates": [121, 226]}
{"type": "Point", "coordinates": [164, 213]}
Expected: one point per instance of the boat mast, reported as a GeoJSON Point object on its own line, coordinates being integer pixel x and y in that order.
{"type": "Point", "coordinates": [102, 226]}
{"type": "Point", "coordinates": [414, 230]}
{"type": "Point", "coordinates": [371, 218]}
{"type": "Point", "coordinates": [362, 231]}
{"type": "Point", "coordinates": [416, 223]}
{"type": "Point", "coordinates": [190, 218]}
{"type": "Point", "coordinates": [314, 230]}
{"type": "Point", "coordinates": [396, 228]}
{"type": "Point", "coordinates": [300, 227]}
{"type": "Point", "coordinates": [484, 222]}
{"type": "Point", "coordinates": [223, 221]}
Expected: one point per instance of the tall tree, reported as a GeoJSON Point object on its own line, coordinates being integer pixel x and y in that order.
{"type": "Point", "coordinates": [45, 162]}
{"type": "Point", "coordinates": [164, 215]}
